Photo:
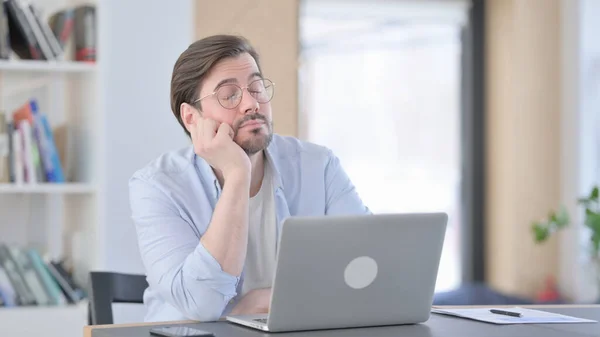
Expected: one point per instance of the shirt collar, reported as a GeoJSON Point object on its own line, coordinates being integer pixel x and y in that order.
{"type": "Point", "coordinates": [271, 154]}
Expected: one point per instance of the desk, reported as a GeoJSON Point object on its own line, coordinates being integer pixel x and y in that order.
{"type": "Point", "coordinates": [437, 325]}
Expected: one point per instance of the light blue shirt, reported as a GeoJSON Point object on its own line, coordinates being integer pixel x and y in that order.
{"type": "Point", "coordinates": [172, 200]}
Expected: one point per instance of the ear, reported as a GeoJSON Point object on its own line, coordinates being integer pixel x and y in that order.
{"type": "Point", "coordinates": [189, 116]}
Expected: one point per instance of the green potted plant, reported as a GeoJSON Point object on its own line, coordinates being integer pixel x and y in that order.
{"type": "Point", "coordinates": [542, 230]}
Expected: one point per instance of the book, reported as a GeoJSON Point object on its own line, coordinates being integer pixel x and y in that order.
{"type": "Point", "coordinates": [24, 294]}
{"type": "Point", "coordinates": [85, 33]}
{"type": "Point", "coordinates": [27, 278]}
{"type": "Point", "coordinates": [47, 147]}
{"type": "Point", "coordinates": [52, 288]}
{"type": "Point", "coordinates": [61, 24]}
{"type": "Point", "coordinates": [10, 130]}
{"type": "Point", "coordinates": [40, 176]}
{"type": "Point", "coordinates": [39, 141]}
{"type": "Point", "coordinates": [28, 152]}
{"type": "Point", "coordinates": [72, 291]}
{"type": "Point", "coordinates": [27, 155]}
{"type": "Point", "coordinates": [63, 144]}
{"type": "Point", "coordinates": [22, 38]}
{"type": "Point", "coordinates": [5, 48]}
{"type": "Point", "coordinates": [53, 43]}
{"type": "Point", "coordinates": [7, 291]}
{"type": "Point", "coordinates": [4, 149]}
{"type": "Point", "coordinates": [51, 153]}
{"type": "Point", "coordinates": [40, 39]}
{"type": "Point", "coordinates": [23, 112]}
{"type": "Point", "coordinates": [18, 166]}
{"type": "Point", "coordinates": [29, 275]}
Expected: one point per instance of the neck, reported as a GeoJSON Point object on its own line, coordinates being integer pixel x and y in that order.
{"type": "Point", "coordinates": [258, 172]}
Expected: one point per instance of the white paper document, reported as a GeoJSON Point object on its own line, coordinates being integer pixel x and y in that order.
{"type": "Point", "coordinates": [528, 316]}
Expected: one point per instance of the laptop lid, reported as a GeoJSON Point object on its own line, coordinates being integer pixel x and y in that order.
{"type": "Point", "coordinates": [351, 271]}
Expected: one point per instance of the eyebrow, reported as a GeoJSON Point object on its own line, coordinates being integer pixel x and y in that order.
{"type": "Point", "coordinates": [256, 74]}
{"type": "Point", "coordinates": [233, 80]}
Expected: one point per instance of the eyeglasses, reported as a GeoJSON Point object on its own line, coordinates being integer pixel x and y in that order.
{"type": "Point", "coordinates": [230, 95]}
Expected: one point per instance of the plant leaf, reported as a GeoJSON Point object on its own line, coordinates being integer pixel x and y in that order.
{"type": "Point", "coordinates": [596, 243]}
{"type": "Point", "coordinates": [594, 194]}
{"type": "Point", "coordinates": [562, 218]}
{"type": "Point", "coordinates": [585, 202]}
{"type": "Point", "coordinates": [540, 232]}
{"type": "Point", "coordinates": [589, 215]}
{"type": "Point", "coordinates": [552, 217]}
{"type": "Point", "coordinates": [593, 222]}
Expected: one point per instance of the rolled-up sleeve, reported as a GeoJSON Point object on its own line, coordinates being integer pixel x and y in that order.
{"type": "Point", "coordinates": [340, 193]}
{"type": "Point", "coordinates": [178, 266]}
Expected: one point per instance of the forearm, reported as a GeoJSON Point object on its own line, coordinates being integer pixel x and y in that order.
{"type": "Point", "coordinates": [226, 238]}
{"type": "Point", "coordinates": [198, 300]}
{"type": "Point", "coordinates": [177, 266]}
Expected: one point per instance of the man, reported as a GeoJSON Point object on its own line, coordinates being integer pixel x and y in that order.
{"type": "Point", "coordinates": [208, 217]}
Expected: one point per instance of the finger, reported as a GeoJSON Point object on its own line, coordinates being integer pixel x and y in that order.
{"type": "Point", "coordinates": [196, 130]}
{"type": "Point", "coordinates": [225, 131]}
{"type": "Point", "coordinates": [209, 130]}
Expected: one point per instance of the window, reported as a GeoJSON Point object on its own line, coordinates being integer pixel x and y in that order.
{"type": "Point", "coordinates": [380, 84]}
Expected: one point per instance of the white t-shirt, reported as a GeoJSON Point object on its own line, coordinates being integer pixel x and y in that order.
{"type": "Point", "coordinates": [260, 256]}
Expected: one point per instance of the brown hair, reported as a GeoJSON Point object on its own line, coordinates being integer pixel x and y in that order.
{"type": "Point", "coordinates": [195, 63]}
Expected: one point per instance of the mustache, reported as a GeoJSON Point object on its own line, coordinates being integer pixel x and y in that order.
{"type": "Point", "coordinates": [251, 117]}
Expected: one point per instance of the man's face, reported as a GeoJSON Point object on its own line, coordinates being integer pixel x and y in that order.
{"type": "Point", "coordinates": [250, 120]}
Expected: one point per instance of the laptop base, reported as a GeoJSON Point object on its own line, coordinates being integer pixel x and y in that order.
{"type": "Point", "coordinates": [250, 321]}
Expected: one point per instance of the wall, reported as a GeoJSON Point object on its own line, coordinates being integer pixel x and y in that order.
{"type": "Point", "coordinates": [523, 143]}
{"type": "Point", "coordinates": [272, 28]}
{"type": "Point", "coordinates": [136, 64]}
{"type": "Point", "coordinates": [580, 146]}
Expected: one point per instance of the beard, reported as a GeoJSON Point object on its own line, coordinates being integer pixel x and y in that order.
{"type": "Point", "coordinates": [257, 141]}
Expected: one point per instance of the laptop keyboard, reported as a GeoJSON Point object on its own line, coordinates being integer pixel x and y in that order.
{"type": "Point", "coordinates": [261, 320]}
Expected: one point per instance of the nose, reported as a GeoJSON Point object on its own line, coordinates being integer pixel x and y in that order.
{"type": "Point", "coordinates": [248, 104]}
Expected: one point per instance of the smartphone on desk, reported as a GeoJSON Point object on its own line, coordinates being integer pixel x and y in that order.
{"type": "Point", "coordinates": [179, 331]}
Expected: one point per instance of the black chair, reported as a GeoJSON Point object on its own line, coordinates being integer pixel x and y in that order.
{"type": "Point", "coordinates": [107, 288]}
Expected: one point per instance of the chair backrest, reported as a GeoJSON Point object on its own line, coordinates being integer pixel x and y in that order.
{"type": "Point", "coordinates": [107, 288]}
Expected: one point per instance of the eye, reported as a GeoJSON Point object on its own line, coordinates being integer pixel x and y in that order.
{"type": "Point", "coordinates": [257, 87]}
{"type": "Point", "coordinates": [228, 92]}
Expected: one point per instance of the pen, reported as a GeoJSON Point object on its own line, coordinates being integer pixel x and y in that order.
{"type": "Point", "coordinates": [507, 313]}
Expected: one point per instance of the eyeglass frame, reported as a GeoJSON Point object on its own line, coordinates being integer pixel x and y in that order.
{"type": "Point", "coordinates": [241, 89]}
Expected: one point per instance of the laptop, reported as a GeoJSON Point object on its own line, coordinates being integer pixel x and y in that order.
{"type": "Point", "coordinates": [353, 271]}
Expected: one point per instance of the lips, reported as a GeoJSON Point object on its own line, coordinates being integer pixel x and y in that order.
{"type": "Point", "coordinates": [252, 123]}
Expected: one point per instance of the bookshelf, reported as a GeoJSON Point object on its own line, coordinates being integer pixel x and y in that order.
{"type": "Point", "coordinates": [46, 66]}
{"type": "Point", "coordinates": [58, 219]}
{"type": "Point", "coordinates": [118, 118]}
{"type": "Point", "coordinates": [47, 188]}
{"type": "Point", "coordinates": [42, 321]}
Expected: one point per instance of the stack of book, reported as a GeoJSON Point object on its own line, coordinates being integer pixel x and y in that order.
{"type": "Point", "coordinates": [24, 32]}
{"type": "Point", "coordinates": [27, 279]}
{"type": "Point", "coordinates": [28, 152]}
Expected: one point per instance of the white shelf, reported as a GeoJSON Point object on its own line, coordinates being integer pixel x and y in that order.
{"type": "Point", "coordinates": [48, 188]}
{"type": "Point", "coordinates": [55, 321]}
{"type": "Point", "coordinates": [44, 310]}
{"type": "Point", "coordinates": [46, 66]}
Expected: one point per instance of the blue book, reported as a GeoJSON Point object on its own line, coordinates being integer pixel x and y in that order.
{"type": "Point", "coordinates": [50, 284]}
{"type": "Point", "coordinates": [47, 146]}
{"type": "Point", "coordinates": [59, 176]}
